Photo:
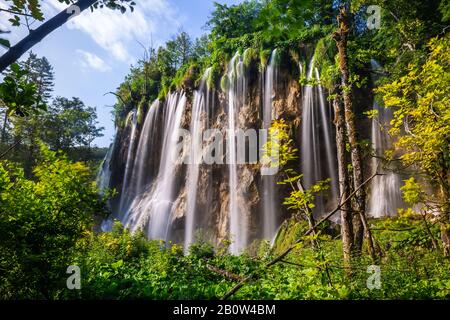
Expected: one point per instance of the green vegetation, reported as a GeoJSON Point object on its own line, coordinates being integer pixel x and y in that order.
{"type": "Point", "coordinates": [40, 222]}
{"type": "Point", "coordinates": [118, 265]}
{"type": "Point", "coordinates": [421, 103]}
{"type": "Point", "coordinates": [50, 207]}
{"type": "Point", "coordinates": [30, 116]}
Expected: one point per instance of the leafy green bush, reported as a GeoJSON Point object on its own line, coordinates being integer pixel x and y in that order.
{"type": "Point", "coordinates": [40, 222]}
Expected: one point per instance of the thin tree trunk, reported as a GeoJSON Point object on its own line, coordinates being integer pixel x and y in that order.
{"type": "Point", "coordinates": [344, 184]}
{"type": "Point", "coordinates": [35, 36]}
{"type": "Point", "coordinates": [360, 224]}
{"type": "Point", "coordinates": [308, 212]}
{"type": "Point", "coordinates": [428, 230]}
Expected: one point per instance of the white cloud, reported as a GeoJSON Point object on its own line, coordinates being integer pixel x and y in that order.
{"type": "Point", "coordinates": [92, 61]}
{"type": "Point", "coordinates": [116, 32]}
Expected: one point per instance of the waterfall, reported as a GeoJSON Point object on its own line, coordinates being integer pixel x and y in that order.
{"type": "Point", "coordinates": [125, 193]}
{"type": "Point", "coordinates": [143, 168]}
{"type": "Point", "coordinates": [316, 136]}
{"type": "Point", "coordinates": [104, 181]}
{"type": "Point", "coordinates": [157, 190]}
{"type": "Point", "coordinates": [152, 210]}
{"type": "Point", "coordinates": [199, 122]}
{"type": "Point", "coordinates": [330, 152]}
{"type": "Point", "coordinates": [385, 195]}
{"type": "Point", "coordinates": [104, 174]}
{"type": "Point", "coordinates": [164, 192]}
{"type": "Point", "coordinates": [238, 223]}
{"type": "Point", "coordinates": [309, 151]}
{"type": "Point", "coordinates": [269, 181]}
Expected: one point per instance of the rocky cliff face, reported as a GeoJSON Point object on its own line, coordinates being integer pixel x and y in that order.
{"type": "Point", "coordinates": [212, 201]}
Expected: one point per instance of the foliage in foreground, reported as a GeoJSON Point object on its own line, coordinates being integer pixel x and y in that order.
{"type": "Point", "coordinates": [119, 265]}
{"type": "Point", "coordinates": [46, 226]}
{"type": "Point", "coordinates": [40, 222]}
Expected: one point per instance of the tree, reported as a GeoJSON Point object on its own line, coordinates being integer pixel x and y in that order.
{"type": "Point", "coordinates": [341, 38]}
{"type": "Point", "coordinates": [38, 75]}
{"type": "Point", "coordinates": [233, 21]}
{"type": "Point", "coordinates": [32, 8]}
{"type": "Point", "coordinates": [65, 124]}
{"type": "Point", "coordinates": [40, 222]}
{"type": "Point", "coordinates": [69, 124]}
{"type": "Point", "coordinates": [19, 94]}
{"type": "Point", "coordinates": [200, 48]}
{"type": "Point", "coordinates": [41, 73]}
{"type": "Point", "coordinates": [420, 100]}
{"type": "Point", "coordinates": [182, 48]}
{"type": "Point", "coordinates": [344, 182]}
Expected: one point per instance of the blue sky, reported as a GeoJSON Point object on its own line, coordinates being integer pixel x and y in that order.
{"type": "Point", "coordinates": [93, 52]}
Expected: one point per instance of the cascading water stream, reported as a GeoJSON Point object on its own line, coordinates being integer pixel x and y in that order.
{"type": "Point", "coordinates": [316, 136]}
{"type": "Point", "coordinates": [125, 194]}
{"type": "Point", "coordinates": [385, 195]}
{"type": "Point", "coordinates": [325, 118]}
{"type": "Point", "coordinates": [152, 210]}
{"type": "Point", "coordinates": [143, 162]}
{"type": "Point", "coordinates": [236, 96]}
{"type": "Point", "coordinates": [142, 173]}
{"type": "Point", "coordinates": [164, 197]}
{"type": "Point", "coordinates": [310, 150]}
{"type": "Point", "coordinates": [104, 175]}
{"type": "Point", "coordinates": [199, 122]}
{"type": "Point", "coordinates": [269, 181]}
{"type": "Point", "coordinates": [150, 190]}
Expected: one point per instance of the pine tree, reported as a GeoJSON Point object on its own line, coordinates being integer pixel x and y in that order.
{"type": "Point", "coordinates": [41, 73]}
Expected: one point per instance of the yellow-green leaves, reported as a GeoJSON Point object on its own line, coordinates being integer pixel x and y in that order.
{"type": "Point", "coordinates": [411, 191]}
{"type": "Point", "coordinates": [281, 150]}
{"type": "Point", "coordinates": [421, 103]}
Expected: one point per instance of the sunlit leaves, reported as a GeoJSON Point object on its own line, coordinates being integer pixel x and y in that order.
{"type": "Point", "coordinates": [32, 9]}
{"type": "Point", "coordinates": [280, 149]}
{"type": "Point", "coordinates": [40, 222]}
{"type": "Point", "coordinates": [411, 191]}
{"type": "Point", "coordinates": [420, 100]}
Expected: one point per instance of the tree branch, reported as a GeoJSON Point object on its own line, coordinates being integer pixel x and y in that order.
{"type": "Point", "coordinates": [286, 252]}
{"type": "Point", "coordinates": [15, 144]}
{"type": "Point", "coordinates": [224, 273]}
{"type": "Point", "coordinates": [16, 51]}
{"type": "Point", "coordinates": [16, 13]}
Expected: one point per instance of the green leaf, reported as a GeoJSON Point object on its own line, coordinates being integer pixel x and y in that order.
{"type": "Point", "coordinates": [5, 43]}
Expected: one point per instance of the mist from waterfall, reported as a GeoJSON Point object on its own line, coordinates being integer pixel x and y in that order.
{"type": "Point", "coordinates": [238, 222]}
{"type": "Point", "coordinates": [269, 182]}
{"type": "Point", "coordinates": [385, 195]}
{"type": "Point", "coordinates": [199, 123]}
{"type": "Point", "coordinates": [317, 141]}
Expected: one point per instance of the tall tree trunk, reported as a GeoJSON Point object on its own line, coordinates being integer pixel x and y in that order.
{"type": "Point", "coordinates": [360, 226]}
{"type": "Point", "coordinates": [344, 183]}
{"type": "Point", "coordinates": [35, 36]}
